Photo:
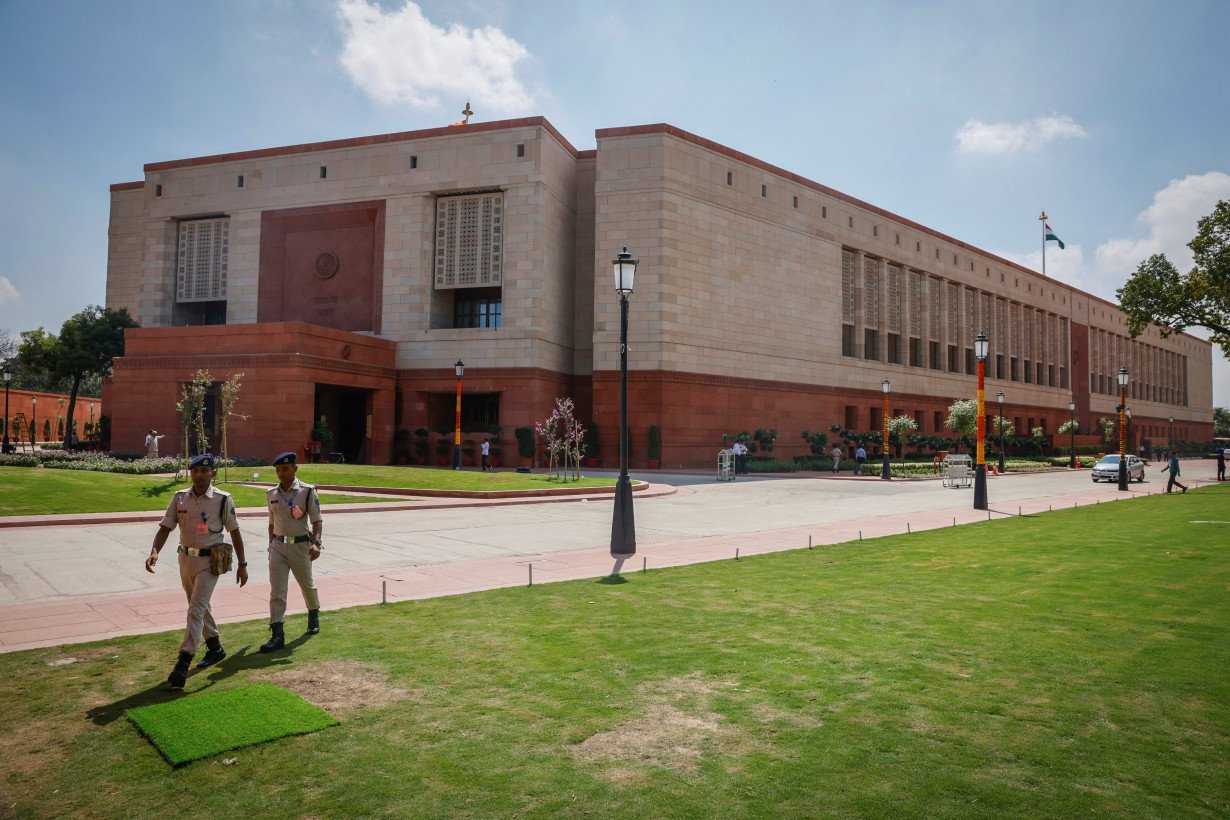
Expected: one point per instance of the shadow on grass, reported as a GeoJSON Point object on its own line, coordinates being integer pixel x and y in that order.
{"type": "Point", "coordinates": [244, 660]}
{"type": "Point", "coordinates": [612, 580]}
{"type": "Point", "coordinates": [159, 489]}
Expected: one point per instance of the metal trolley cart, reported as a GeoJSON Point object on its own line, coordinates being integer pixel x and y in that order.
{"type": "Point", "coordinates": [726, 465]}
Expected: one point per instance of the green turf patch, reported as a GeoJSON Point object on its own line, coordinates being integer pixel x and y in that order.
{"type": "Point", "coordinates": [203, 725]}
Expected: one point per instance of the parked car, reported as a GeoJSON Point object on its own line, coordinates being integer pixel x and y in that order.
{"type": "Point", "coordinates": [1108, 469]}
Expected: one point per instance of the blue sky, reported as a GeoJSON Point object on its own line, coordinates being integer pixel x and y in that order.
{"type": "Point", "coordinates": [969, 117]}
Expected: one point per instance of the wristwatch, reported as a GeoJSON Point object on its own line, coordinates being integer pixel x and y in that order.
{"type": "Point", "coordinates": [243, 564]}
{"type": "Point", "coordinates": [319, 544]}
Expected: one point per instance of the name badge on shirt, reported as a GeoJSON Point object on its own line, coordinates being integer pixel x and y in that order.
{"type": "Point", "coordinates": [202, 528]}
{"type": "Point", "coordinates": [297, 512]}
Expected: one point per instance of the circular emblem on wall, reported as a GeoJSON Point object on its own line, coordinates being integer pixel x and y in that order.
{"type": "Point", "coordinates": [345, 351]}
{"type": "Point", "coordinates": [326, 264]}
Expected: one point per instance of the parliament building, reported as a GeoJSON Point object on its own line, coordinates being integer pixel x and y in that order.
{"type": "Point", "coordinates": [344, 280]}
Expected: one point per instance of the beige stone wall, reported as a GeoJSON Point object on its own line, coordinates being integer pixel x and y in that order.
{"type": "Point", "coordinates": [124, 250]}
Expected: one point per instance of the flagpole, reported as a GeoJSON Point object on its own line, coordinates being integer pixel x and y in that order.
{"type": "Point", "coordinates": [1042, 219]}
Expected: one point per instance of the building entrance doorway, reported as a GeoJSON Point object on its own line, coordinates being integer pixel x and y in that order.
{"type": "Point", "coordinates": [346, 411]}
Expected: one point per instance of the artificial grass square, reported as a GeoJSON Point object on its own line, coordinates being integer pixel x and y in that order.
{"type": "Point", "coordinates": [199, 726]}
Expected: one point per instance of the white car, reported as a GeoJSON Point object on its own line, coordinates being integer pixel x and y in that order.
{"type": "Point", "coordinates": [1108, 469]}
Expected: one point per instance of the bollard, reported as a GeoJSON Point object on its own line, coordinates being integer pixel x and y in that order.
{"type": "Point", "coordinates": [644, 564]}
{"type": "Point", "coordinates": [954, 521]}
{"type": "Point", "coordinates": [531, 575]}
{"type": "Point", "coordinates": [1049, 508]}
{"type": "Point", "coordinates": [736, 553]}
{"type": "Point", "coordinates": [988, 515]}
{"type": "Point", "coordinates": [384, 592]}
{"type": "Point", "coordinates": [907, 526]}
{"type": "Point", "coordinates": [860, 535]}
{"type": "Point", "coordinates": [809, 542]}
{"type": "Point", "coordinates": [1018, 512]}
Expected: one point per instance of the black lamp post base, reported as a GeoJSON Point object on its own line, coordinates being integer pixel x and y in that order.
{"type": "Point", "coordinates": [885, 473]}
{"type": "Point", "coordinates": [456, 456]}
{"type": "Point", "coordinates": [980, 487]}
{"type": "Point", "coordinates": [623, 522]}
{"type": "Point", "coordinates": [1123, 481]}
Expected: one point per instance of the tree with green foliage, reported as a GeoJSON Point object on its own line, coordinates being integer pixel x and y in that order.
{"type": "Point", "coordinates": [1108, 429]}
{"type": "Point", "coordinates": [1221, 422]}
{"type": "Point", "coordinates": [817, 442]}
{"type": "Point", "coordinates": [899, 428]}
{"type": "Point", "coordinates": [1069, 427]}
{"type": "Point", "coordinates": [1158, 294]}
{"type": "Point", "coordinates": [962, 418]}
{"type": "Point", "coordinates": [88, 342]}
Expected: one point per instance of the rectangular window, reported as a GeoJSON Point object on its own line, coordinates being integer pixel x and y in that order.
{"type": "Point", "coordinates": [851, 417]}
{"type": "Point", "coordinates": [764, 190]}
{"type": "Point", "coordinates": [916, 353]}
{"type": "Point", "coordinates": [240, 181]}
{"type": "Point", "coordinates": [477, 307]}
{"type": "Point", "coordinates": [1063, 377]}
{"type": "Point", "coordinates": [1029, 372]}
{"type": "Point", "coordinates": [871, 345]}
{"type": "Point", "coordinates": [847, 340]}
{"type": "Point", "coordinates": [1016, 370]}
{"type": "Point", "coordinates": [953, 365]}
{"type": "Point", "coordinates": [730, 179]}
{"type": "Point", "coordinates": [796, 202]}
{"type": "Point", "coordinates": [918, 419]}
{"type": "Point", "coordinates": [850, 220]}
{"type": "Point", "coordinates": [937, 421]}
{"type": "Point", "coordinates": [414, 162]}
{"type": "Point", "coordinates": [324, 172]}
{"type": "Point", "coordinates": [877, 418]}
{"type": "Point", "coordinates": [469, 240]}
{"type": "Point", "coordinates": [894, 348]}
{"type": "Point", "coordinates": [520, 150]}
{"type": "Point", "coordinates": [824, 212]}
{"type": "Point", "coordinates": [157, 190]}
{"type": "Point", "coordinates": [934, 350]}
{"type": "Point", "coordinates": [999, 365]}
{"type": "Point", "coordinates": [1042, 375]}
{"type": "Point", "coordinates": [970, 366]}
{"type": "Point", "coordinates": [201, 260]}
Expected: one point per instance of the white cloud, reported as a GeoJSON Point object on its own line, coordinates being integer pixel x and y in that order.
{"type": "Point", "coordinates": [978, 137]}
{"type": "Point", "coordinates": [402, 58]}
{"type": "Point", "coordinates": [1167, 225]}
{"type": "Point", "coordinates": [8, 293]}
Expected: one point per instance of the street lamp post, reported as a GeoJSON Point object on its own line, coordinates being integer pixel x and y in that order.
{"type": "Point", "coordinates": [1131, 447]}
{"type": "Point", "coordinates": [1123, 382]}
{"type": "Point", "coordinates": [8, 377]}
{"type": "Point", "coordinates": [623, 523]}
{"type": "Point", "coordinates": [1170, 434]}
{"type": "Point", "coordinates": [460, 369]}
{"type": "Point", "coordinates": [884, 471]}
{"type": "Point", "coordinates": [1001, 432]}
{"type": "Point", "coordinates": [34, 422]}
{"type": "Point", "coordinates": [1072, 433]}
{"type": "Point", "coordinates": [980, 468]}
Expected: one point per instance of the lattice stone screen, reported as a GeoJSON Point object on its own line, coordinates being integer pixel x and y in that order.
{"type": "Point", "coordinates": [847, 287]}
{"type": "Point", "coordinates": [200, 268]}
{"type": "Point", "coordinates": [871, 292]}
{"type": "Point", "coordinates": [894, 298]}
{"type": "Point", "coordinates": [469, 240]}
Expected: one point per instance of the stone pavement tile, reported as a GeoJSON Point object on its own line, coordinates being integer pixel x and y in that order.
{"type": "Point", "coordinates": [78, 631]}
{"type": "Point", "coordinates": [154, 609]}
{"type": "Point", "coordinates": [13, 611]}
{"type": "Point", "coordinates": [120, 615]}
{"type": "Point", "coordinates": [40, 621]}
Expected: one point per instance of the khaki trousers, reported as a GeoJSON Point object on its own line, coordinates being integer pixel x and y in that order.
{"type": "Point", "coordinates": [283, 560]}
{"type": "Point", "coordinates": [199, 585]}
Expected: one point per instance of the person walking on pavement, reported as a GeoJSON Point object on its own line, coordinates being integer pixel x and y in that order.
{"type": "Point", "coordinates": [486, 451]}
{"type": "Point", "coordinates": [1221, 463]}
{"type": "Point", "coordinates": [860, 455]}
{"type": "Point", "coordinates": [293, 505]}
{"type": "Point", "coordinates": [1172, 467]}
{"type": "Point", "coordinates": [201, 513]}
{"type": "Point", "coordinates": [836, 454]}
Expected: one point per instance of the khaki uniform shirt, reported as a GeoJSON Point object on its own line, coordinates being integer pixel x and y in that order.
{"type": "Point", "coordinates": [282, 506]}
{"type": "Point", "coordinates": [202, 521]}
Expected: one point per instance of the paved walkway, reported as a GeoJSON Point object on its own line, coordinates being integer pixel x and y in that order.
{"type": "Point", "coordinates": [62, 583]}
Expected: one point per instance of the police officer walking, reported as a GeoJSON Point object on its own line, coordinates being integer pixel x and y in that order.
{"type": "Point", "coordinates": [201, 513]}
{"type": "Point", "coordinates": [292, 506]}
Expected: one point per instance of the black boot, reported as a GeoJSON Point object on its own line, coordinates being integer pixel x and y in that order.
{"type": "Point", "coordinates": [313, 621]}
{"type": "Point", "coordinates": [179, 675]}
{"type": "Point", "coordinates": [214, 653]}
{"type": "Point", "coordinates": [277, 641]}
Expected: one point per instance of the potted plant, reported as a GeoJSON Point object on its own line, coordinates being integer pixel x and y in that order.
{"type": "Point", "coordinates": [655, 447]}
{"type": "Point", "coordinates": [593, 446]}
{"type": "Point", "coordinates": [420, 445]}
{"type": "Point", "coordinates": [444, 450]}
{"type": "Point", "coordinates": [401, 446]}
{"type": "Point", "coordinates": [526, 446]}
{"type": "Point", "coordinates": [322, 435]}
{"type": "Point", "coordinates": [496, 455]}
{"type": "Point", "coordinates": [467, 453]}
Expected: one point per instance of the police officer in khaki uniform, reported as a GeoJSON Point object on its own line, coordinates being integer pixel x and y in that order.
{"type": "Point", "coordinates": [201, 513]}
{"type": "Point", "coordinates": [293, 505]}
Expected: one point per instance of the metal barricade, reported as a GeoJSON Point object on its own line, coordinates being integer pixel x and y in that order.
{"type": "Point", "coordinates": [958, 471]}
{"type": "Point", "coordinates": [726, 465]}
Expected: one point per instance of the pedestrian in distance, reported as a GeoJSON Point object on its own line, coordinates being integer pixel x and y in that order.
{"type": "Point", "coordinates": [293, 507]}
{"type": "Point", "coordinates": [740, 451]}
{"type": "Point", "coordinates": [836, 454]}
{"type": "Point", "coordinates": [151, 443]}
{"type": "Point", "coordinates": [860, 455]}
{"type": "Point", "coordinates": [1172, 467]}
{"type": "Point", "coordinates": [485, 449]}
{"type": "Point", "coordinates": [202, 514]}
{"type": "Point", "coordinates": [1221, 463]}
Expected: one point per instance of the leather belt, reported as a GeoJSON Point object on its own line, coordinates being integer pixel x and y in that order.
{"type": "Point", "coordinates": [292, 539]}
{"type": "Point", "coordinates": [199, 552]}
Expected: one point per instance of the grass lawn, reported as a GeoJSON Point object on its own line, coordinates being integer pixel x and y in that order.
{"type": "Point", "coordinates": [1057, 665]}
{"type": "Point", "coordinates": [38, 491]}
{"type": "Point", "coordinates": [433, 478]}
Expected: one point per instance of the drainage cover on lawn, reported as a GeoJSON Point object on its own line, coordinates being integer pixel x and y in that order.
{"type": "Point", "coordinates": [198, 726]}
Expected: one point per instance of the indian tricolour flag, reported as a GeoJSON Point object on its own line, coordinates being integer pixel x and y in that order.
{"type": "Point", "coordinates": [1050, 236]}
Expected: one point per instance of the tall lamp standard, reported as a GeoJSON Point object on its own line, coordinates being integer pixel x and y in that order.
{"type": "Point", "coordinates": [460, 369]}
{"type": "Point", "coordinates": [1072, 433]}
{"type": "Point", "coordinates": [623, 524]}
{"type": "Point", "coordinates": [980, 468]}
{"type": "Point", "coordinates": [8, 377]}
{"type": "Point", "coordinates": [1129, 434]}
{"type": "Point", "coordinates": [1123, 381]}
{"type": "Point", "coordinates": [34, 422]}
{"type": "Point", "coordinates": [1001, 432]}
{"type": "Point", "coordinates": [1170, 434]}
{"type": "Point", "coordinates": [884, 471]}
